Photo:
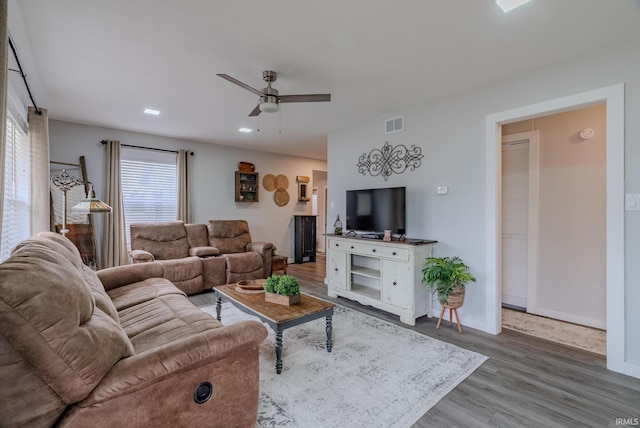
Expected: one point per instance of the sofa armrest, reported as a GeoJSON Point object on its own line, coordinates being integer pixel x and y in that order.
{"type": "Point", "coordinates": [141, 256]}
{"type": "Point", "coordinates": [118, 276]}
{"type": "Point", "coordinates": [204, 251]}
{"type": "Point", "coordinates": [260, 247]}
{"type": "Point", "coordinates": [154, 365]}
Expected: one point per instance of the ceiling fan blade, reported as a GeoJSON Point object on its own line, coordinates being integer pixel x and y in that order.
{"type": "Point", "coordinates": [255, 111]}
{"type": "Point", "coordinates": [308, 98]}
{"type": "Point", "coordinates": [242, 85]}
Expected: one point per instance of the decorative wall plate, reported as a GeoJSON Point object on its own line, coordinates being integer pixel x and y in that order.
{"type": "Point", "coordinates": [269, 182]}
{"type": "Point", "coordinates": [281, 196]}
{"type": "Point", "coordinates": [282, 182]}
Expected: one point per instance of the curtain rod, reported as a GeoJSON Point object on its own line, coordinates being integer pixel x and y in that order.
{"type": "Point", "coordinates": [147, 148]}
{"type": "Point", "coordinates": [24, 76]}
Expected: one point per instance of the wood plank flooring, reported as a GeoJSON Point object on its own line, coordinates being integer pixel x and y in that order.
{"type": "Point", "coordinates": [527, 382]}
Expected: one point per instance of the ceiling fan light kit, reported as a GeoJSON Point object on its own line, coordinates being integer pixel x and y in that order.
{"type": "Point", "coordinates": [269, 106]}
{"type": "Point", "coordinates": [270, 99]}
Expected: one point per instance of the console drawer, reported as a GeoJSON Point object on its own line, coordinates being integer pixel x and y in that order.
{"type": "Point", "coordinates": [366, 249]}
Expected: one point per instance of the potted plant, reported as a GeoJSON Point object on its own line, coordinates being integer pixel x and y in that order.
{"type": "Point", "coordinates": [282, 289]}
{"type": "Point", "coordinates": [448, 276]}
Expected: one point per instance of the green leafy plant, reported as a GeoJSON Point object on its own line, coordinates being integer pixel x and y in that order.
{"type": "Point", "coordinates": [271, 284]}
{"type": "Point", "coordinates": [285, 285]}
{"type": "Point", "coordinates": [442, 274]}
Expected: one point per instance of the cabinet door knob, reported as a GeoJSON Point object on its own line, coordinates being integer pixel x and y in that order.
{"type": "Point", "coordinates": [337, 245]}
{"type": "Point", "coordinates": [374, 250]}
{"type": "Point", "coordinates": [395, 283]}
{"type": "Point", "coordinates": [336, 269]}
{"type": "Point", "coordinates": [394, 253]}
{"type": "Point", "coordinates": [352, 247]}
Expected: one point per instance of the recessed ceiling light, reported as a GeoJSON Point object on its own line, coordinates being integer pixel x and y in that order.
{"type": "Point", "coordinates": [152, 111]}
{"type": "Point", "coordinates": [508, 5]}
{"type": "Point", "coordinates": [245, 130]}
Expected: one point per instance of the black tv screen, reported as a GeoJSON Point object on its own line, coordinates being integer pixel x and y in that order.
{"type": "Point", "coordinates": [377, 210]}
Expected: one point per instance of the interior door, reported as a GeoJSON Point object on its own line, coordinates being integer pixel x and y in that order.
{"type": "Point", "coordinates": [515, 223]}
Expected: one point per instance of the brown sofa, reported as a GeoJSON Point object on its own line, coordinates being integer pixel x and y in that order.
{"type": "Point", "coordinates": [198, 257]}
{"type": "Point", "coordinates": [118, 347]}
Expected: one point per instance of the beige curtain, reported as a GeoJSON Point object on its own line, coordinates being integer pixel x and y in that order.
{"type": "Point", "coordinates": [4, 60]}
{"type": "Point", "coordinates": [184, 186]}
{"type": "Point", "coordinates": [40, 203]}
{"type": "Point", "coordinates": [114, 241]}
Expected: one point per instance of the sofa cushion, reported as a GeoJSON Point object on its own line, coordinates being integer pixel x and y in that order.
{"type": "Point", "coordinates": [197, 234]}
{"type": "Point", "coordinates": [165, 319]}
{"type": "Point", "coordinates": [139, 292]}
{"type": "Point", "coordinates": [48, 314]}
{"type": "Point", "coordinates": [229, 236]}
{"type": "Point", "coordinates": [243, 266]}
{"type": "Point", "coordinates": [165, 240]}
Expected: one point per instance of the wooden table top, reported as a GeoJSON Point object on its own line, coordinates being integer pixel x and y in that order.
{"type": "Point", "coordinates": [277, 313]}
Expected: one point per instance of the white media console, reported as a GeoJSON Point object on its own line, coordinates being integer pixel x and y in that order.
{"type": "Point", "coordinates": [382, 274]}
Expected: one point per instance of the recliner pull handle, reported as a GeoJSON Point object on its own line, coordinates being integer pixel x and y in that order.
{"type": "Point", "coordinates": [203, 392]}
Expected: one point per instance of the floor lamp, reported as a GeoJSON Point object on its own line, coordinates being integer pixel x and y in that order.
{"type": "Point", "coordinates": [90, 205]}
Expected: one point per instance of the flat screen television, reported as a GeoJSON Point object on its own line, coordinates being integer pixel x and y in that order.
{"type": "Point", "coordinates": [377, 210]}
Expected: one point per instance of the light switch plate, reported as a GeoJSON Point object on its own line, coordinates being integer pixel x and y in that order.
{"type": "Point", "coordinates": [442, 190]}
{"type": "Point", "coordinates": [632, 202]}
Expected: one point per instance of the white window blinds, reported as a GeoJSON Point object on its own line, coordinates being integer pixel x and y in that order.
{"type": "Point", "coordinates": [16, 221]}
{"type": "Point", "coordinates": [149, 184]}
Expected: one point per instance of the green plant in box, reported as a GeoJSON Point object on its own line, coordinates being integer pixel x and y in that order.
{"type": "Point", "coordinates": [285, 285]}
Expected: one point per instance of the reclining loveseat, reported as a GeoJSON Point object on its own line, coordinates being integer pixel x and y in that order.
{"type": "Point", "coordinates": [198, 257]}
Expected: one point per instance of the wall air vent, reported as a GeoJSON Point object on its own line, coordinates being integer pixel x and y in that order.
{"type": "Point", "coordinates": [394, 125]}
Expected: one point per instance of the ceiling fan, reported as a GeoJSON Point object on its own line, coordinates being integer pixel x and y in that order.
{"type": "Point", "coordinates": [270, 99]}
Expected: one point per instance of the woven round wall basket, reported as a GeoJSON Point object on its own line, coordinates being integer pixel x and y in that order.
{"type": "Point", "coordinates": [281, 196]}
{"type": "Point", "coordinates": [269, 182]}
{"type": "Point", "coordinates": [282, 182]}
{"type": "Point", "coordinates": [455, 299]}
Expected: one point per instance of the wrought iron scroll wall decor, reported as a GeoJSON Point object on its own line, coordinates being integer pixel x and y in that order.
{"type": "Point", "coordinates": [389, 160]}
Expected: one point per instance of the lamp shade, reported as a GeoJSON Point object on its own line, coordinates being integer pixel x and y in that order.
{"type": "Point", "coordinates": [91, 205]}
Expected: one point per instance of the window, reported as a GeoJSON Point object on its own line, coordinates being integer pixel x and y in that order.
{"type": "Point", "coordinates": [16, 213]}
{"type": "Point", "coordinates": [149, 183]}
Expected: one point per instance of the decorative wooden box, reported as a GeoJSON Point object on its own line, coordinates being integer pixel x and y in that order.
{"type": "Point", "coordinates": [282, 300]}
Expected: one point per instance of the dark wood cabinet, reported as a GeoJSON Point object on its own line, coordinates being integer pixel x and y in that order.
{"type": "Point", "coordinates": [246, 186]}
{"type": "Point", "coordinates": [305, 238]}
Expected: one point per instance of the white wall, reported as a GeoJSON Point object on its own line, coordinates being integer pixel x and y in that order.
{"type": "Point", "coordinates": [451, 133]}
{"type": "Point", "coordinates": [213, 177]}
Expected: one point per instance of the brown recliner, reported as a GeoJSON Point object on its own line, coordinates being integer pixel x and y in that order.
{"type": "Point", "coordinates": [189, 262]}
{"type": "Point", "coordinates": [245, 259]}
{"type": "Point", "coordinates": [120, 347]}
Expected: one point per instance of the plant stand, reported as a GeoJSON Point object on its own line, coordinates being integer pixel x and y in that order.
{"type": "Point", "coordinates": [454, 300]}
{"type": "Point", "coordinates": [453, 311]}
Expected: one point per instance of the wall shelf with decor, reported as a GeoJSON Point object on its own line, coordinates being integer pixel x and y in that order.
{"type": "Point", "coordinates": [247, 185]}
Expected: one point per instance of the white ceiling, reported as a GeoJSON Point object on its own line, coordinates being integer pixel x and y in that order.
{"type": "Point", "coordinates": [103, 62]}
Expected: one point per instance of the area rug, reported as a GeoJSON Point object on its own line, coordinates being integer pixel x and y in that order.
{"type": "Point", "coordinates": [577, 336]}
{"type": "Point", "coordinates": [377, 375]}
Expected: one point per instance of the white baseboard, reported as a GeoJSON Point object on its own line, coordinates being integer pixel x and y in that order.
{"type": "Point", "coordinates": [576, 319]}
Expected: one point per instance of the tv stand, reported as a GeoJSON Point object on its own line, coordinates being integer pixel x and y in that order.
{"type": "Point", "coordinates": [382, 274]}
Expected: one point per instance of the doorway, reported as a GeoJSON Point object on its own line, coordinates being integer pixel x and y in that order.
{"type": "Point", "coordinates": [613, 97]}
{"type": "Point", "coordinates": [554, 197]}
